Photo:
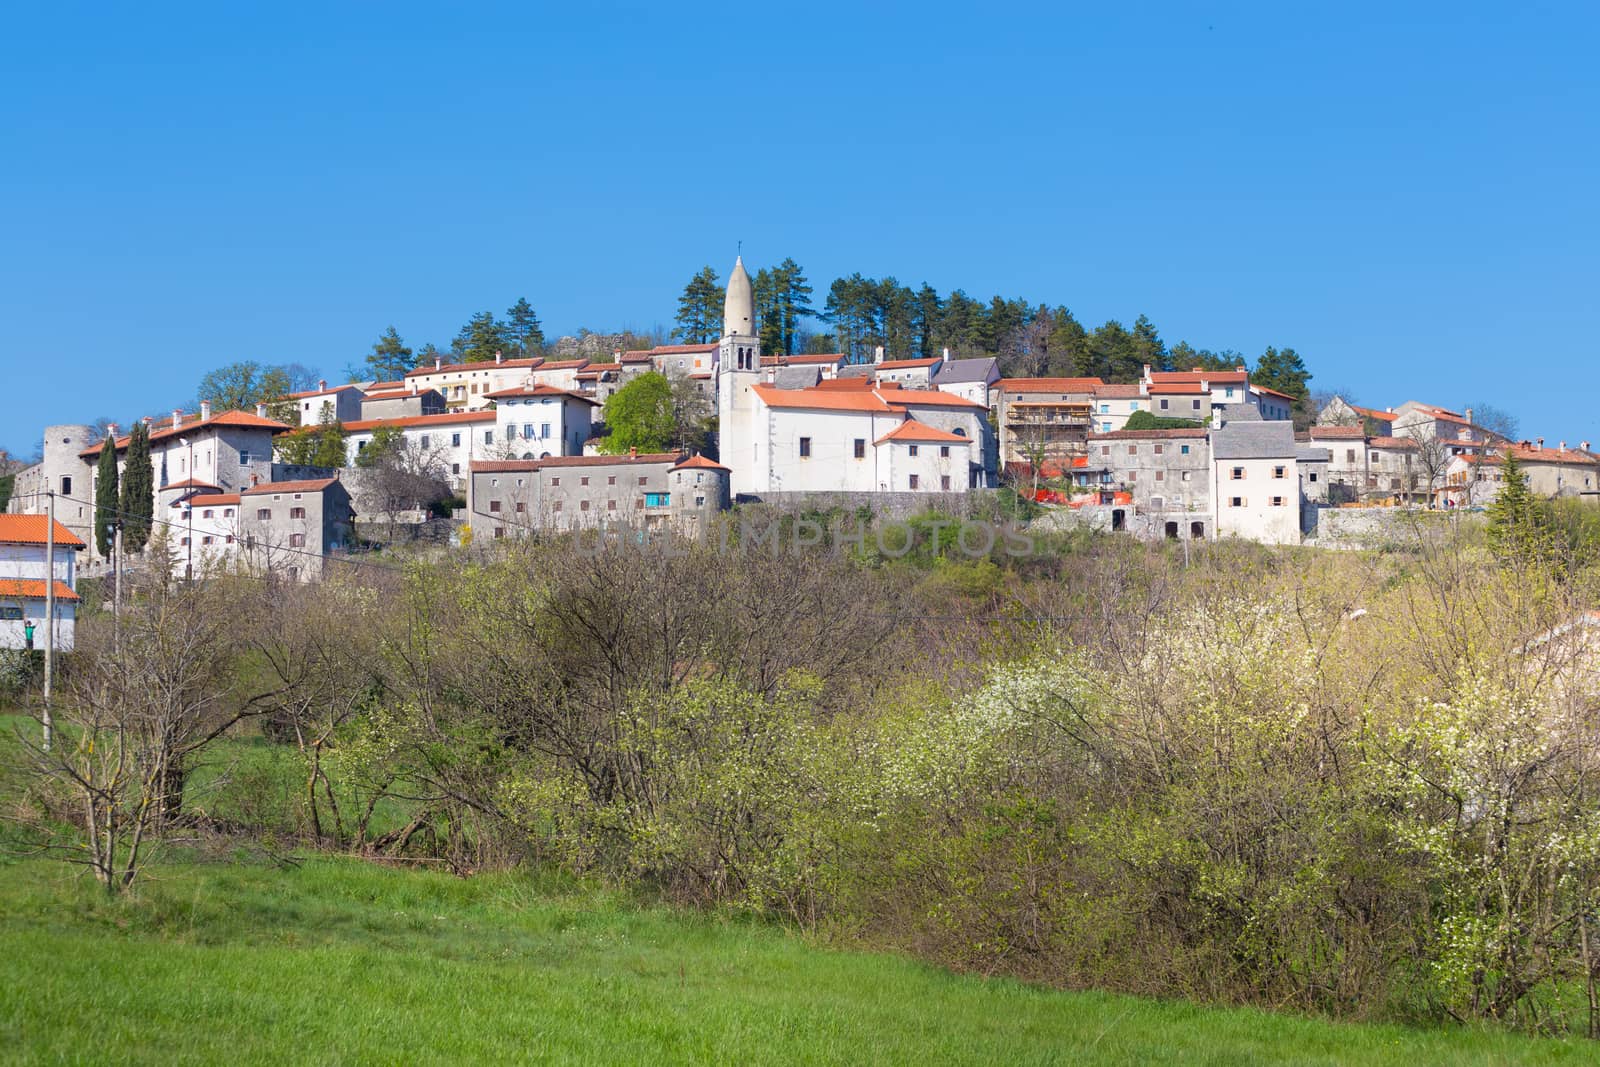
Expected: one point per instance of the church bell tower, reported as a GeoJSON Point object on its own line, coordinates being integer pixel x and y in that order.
{"type": "Point", "coordinates": [738, 368]}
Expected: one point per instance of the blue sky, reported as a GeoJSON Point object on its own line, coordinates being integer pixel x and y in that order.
{"type": "Point", "coordinates": [1404, 193]}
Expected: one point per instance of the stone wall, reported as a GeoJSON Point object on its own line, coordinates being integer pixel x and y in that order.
{"type": "Point", "coordinates": [1385, 527]}
{"type": "Point", "coordinates": [976, 502]}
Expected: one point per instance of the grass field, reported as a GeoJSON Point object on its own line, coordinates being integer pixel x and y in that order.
{"type": "Point", "coordinates": [242, 962]}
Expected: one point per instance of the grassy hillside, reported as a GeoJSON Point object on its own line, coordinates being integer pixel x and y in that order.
{"type": "Point", "coordinates": [337, 962]}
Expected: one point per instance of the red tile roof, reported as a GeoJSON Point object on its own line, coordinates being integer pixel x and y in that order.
{"type": "Point", "coordinates": [494, 465]}
{"type": "Point", "coordinates": [913, 432]}
{"type": "Point", "coordinates": [160, 431]}
{"type": "Point", "coordinates": [637, 355]}
{"type": "Point", "coordinates": [700, 463]}
{"type": "Point", "coordinates": [400, 394]}
{"type": "Point", "coordinates": [1405, 444]}
{"type": "Point", "coordinates": [563, 364]}
{"type": "Point", "coordinates": [1533, 454]}
{"type": "Point", "coordinates": [481, 364]}
{"type": "Point", "coordinates": [865, 401]}
{"type": "Point", "coordinates": [937, 398]}
{"type": "Point", "coordinates": [189, 483]}
{"type": "Point", "coordinates": [1272, 392]}
{"type": "Point", "coordinates": [303, 394]}
{"type": "Point", "coordinates": [1164, 388]}
{"type": "Point", "coordinates": [311, 485]}
{"type": "Point", "coordinates": [388, 385]}
{"type": "Point", "coordinates": [31, 530]}
{"type": "Point", "coordinates": [1373, 413]}
{"type": "Point", "coordinates": [1337, 433]}
{"type": "Point", "coordinates": [854, 385]}
{"type": "Point", "coordinates": [33, 589]}
{"type": "Point", "coordinates": [448, 418]}
{"type": "Point", "coordinates": [1119, 390]}
{"type": "Point", "coordinates": [908, 364]}
{"type": "Point", "coordinates": [537, 390]}
{"type": "Point", "coordinates": [1049, 385]}
{"type": "Point", "coordinates": [215, 500]}
{"type": "Point", "coordinates": [1213, 377]}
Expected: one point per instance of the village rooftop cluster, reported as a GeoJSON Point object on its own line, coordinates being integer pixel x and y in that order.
{"type": "Point", "coordinates": [517, 440]}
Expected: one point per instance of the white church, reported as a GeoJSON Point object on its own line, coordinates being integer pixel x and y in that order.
{"type": "Point", "coordinates": [838, 435]}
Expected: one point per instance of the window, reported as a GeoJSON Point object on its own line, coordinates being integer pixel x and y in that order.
{"type": "Point", "coordinates": [1156, 503]}
{"type": "Point", "coordinates": [556, 506]}
{"type": "Point", "coordinates": [10, 612]}
{"type": "Point", "coordinates": [297, 513]}
{"type": "Point", "coordinates": [1236, 501]}
{"type": "Point", "coordinates": [208, 514]}
{"type": "Point", "coordinates": [494, 506]}
{"type": "Point", "coordinates": [488, 437]}
{"type": "Point", "coordinates": [1163, 403]}
{"type": "Point", "coordinates": [297, 540]}
{"type": "Point", "coordinates": [699, 501]}
{"type": "Point", "coordinates": [1185, 476]}
{"type": "Point", "coordinates": [913, 450]}
{"type": "Point", "coordinates": [657, 500]}
{"type": "Point", "coordinates": [1195, 404]}
{"type": "Point", "coordinates": [527, 431]}
{"type": "Point", "coordinates": [1277, 472]}
{"type": "Point", "coordinates": [861, 448]}
{"type": "Point", "coordinates": [244, 456]}
{"type": "Point", "coordinates": [583, 505]}
{"type": "Point", "coordinates": [455, 440]}
{"type": "Point", "coordinates": [944, 482]}
{"type": "Point", "coordinates": [522, 506]}
{"type": "Point", "coordinates": [556, 480]}
{"type": "Point", "coordinates": [1161, 476]}
{"type": "Point", "coordinates": [1159, 449]}
{"type": "Point", "coordinates": [229, 539]}
{"type": "Point", "coordinates": [183, 541]}
{"type": "Point", "coordinates": [1313, 476]}
{"type": "Point", "coordinates": [425, 441]}
{"type": "Point", "coordinates": [1105, 409]}
{"type": "Point", "coordinates": [1349, 455]}
{"type": "Point", "coordinates": [913, 481]}
{"type": "Point", "coordinates": [455, 468]}
{"type": "Point", "coordinates": [1133, 476]}
{"type": "Point", "coordinates": [499, 531]}
{"type": "Point", "coordinates": [1277, 501]}
{"type": "Point", "coordinates": [264, 514]}
{"type": "Point", "coordinates": [1228, 392]}
{"type": "Point", "coordinates": [944, 451]}
{"type": "Point", "coordinates": [1133, 450]}
{"type": "Point", "coordinates": [583, 480]}
{"type": "Point", "coordinates": [642, 479]}
{"type": "Point", "coordinates": [206, 540]}
{"type": "Point", "coordinates": [611, 479]}
{"type": "Point", "coordinates": [1183, 450]}
{"type": "Point", "coordinates": [544, 430]}
{"type": "Point", "coordinates": [227, 513]}
{"type": "Point", "coordinates": [1105, 450]}
{"type": "Point", "coordinates": [1238, 474]}
{"type": "Point", "coordinates": [611, 505]}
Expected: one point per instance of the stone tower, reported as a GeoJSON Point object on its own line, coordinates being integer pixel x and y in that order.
{"type": "Point", "coordinates": [738, 368]}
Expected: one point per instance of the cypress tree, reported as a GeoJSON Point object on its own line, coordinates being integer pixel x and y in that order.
{"type": "Point", "coordinates": [107, 497]}
{"type": "Point", "coordinates": [138, 490]}
{"type": "Point", "coordinates": [1515, 532]}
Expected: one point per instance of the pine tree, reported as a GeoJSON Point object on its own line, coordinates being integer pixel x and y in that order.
{"type": "Point", "coordinates": [793, 301]}
{"type": "Point", "coordinates": [769, 310]}
{"type": "Point", "coordinates": [524, 329]}
{"type": "Point", "coordinates": [390, 358]}
{"type": "Point", "coordinates": [107, 497]}
{"type": "Point", "coordinates": [1283, 370]}
{"type": "Point", "coordinates": [1516, 533]}
{"type": "Point", "coordinates": [481, 338]}
{"type": "Point", "coordinates": [926, 308]}
{"type": "Point", "coordinates": [1148, 345]}
{"type": "Point", "coordinates": [138, 490]}
{"type": "Point", "coordinates": [700, 309]}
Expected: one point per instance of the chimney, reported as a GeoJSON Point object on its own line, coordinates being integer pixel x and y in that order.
{"type": "Point", "coordinates": [205, 410]}
{"type": "Point", "coordinates": [438, 363]}
{"type": "Point", "coordinates": [177, 418]}
{"type": "Point", "coordinates": [1583, 445]}
{"type": "Point", "coordinates": [148, 421]}
{"type": "Point", "coordinates": [877, 354]}
{"type": "Point", "coordinates": [1539, 445]}
{"type": "Point", "coordinates": [1468, 414]}
{"type": "Point", "coordinates": [632, 451]}
{"type": "Point", "coordinates": [1241, 368]}
{"type": "Point", "coordinates": [946, 355]}
{"type": "Point", "coordinates": [322, 384]}
{"type": "Point", "coordinates": [261, 411]}
{"type": "Point", "coordinates": [1147, 370]}
{"type": "Point", "coordinates": [1562, 447]}
{"type": "Point", "coordinates": [111, 431]}
{"type": "Point", "coordinates": [255, 480]}
{"type": "Point", "coordinates": [498, 358]}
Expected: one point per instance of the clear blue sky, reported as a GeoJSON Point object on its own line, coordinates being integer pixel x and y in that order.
{"type": "Point", "coordinates": [1407, 197]}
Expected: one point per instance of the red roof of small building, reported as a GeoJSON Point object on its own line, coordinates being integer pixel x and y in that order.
{"type": "Point", "coordinates": [1049, 385]}
{"type": "Point", "coordinates": [1272, 392]}
{"type": "Point", "coordinates": [680, 350]}
{"type": "Point", "coordinates": [480, 364]}
{"type": "Point", "coordinates": [160, 431]}
{"type": "Point", "coordinates": [564, 364]}
{"type": "Point", "coordinates": [32, 530]}
{"type": "Point", "coordinates": [700, 463]}
{"type": "Point", "coordinates": [1166, 388]}
{"type": "Point", "coordinates": [33, 589]}
{"type": "Point", "coordinates": [1119, 390]}
{"type": "Point", "coordinates": [538, 390]}
{"type": "Point", "coordinates": [448, 418]}
{"type": "Point", "coordinates": [215, 500]}
{"type": "Point", "coordinates": [1337, 433]}
{"type": "Point", "coordinates": [310, 485]}
{"type": "Point", "coordinates": [1212, 377]}
{"type": "Point", "coordinates": [189, 483]}
{"type": "Point", "coordinates": [1403, 443]}
{"type": "Point", "coordinates": [913, 432]}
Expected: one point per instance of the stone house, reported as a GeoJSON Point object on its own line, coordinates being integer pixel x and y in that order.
{"type": "Point", "coordinates": [517, 498]}
{"type": "Point", "coordinates": [291, 528]}
{"type": "Point", "coordinates": [1256, 485]}
{"type": "Point", "coordinates": [1166, 472]}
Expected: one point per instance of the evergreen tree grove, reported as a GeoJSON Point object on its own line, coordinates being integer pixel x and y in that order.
{"type": "Point", "coordinates": [699, 318]}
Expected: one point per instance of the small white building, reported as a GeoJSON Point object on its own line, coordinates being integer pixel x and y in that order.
{"type": "Point", "coordinates": [540, 421]}
{"type": "Point", "coordinates": [1255, 487]}
{"type": "Point", "coordinates": [342, 403]}
{"type": "Point", "coordinates": [448, 443]}
{"type": "Point", "coordinates": [466, 386]}
{"type": "Point", "coordinates": [25, 565]}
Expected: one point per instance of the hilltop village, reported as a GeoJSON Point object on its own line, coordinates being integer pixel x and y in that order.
{"type": "Point", "coordinates": [515, 447]}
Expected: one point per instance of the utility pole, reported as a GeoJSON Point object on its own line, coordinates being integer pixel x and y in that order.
{"type": "Point", "coordinates": [49, 607]}
{"type": "Point", "coordinates": [116, 577]}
